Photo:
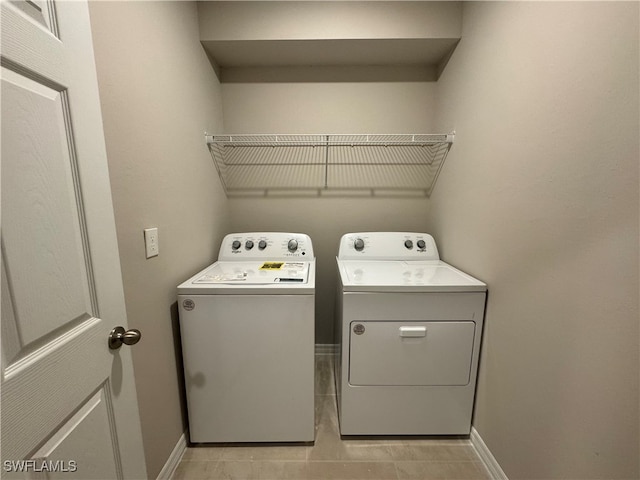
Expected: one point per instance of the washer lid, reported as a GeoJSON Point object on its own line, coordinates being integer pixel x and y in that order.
{"type": "Point", "coordinates": [261, 277]}
{"type": "Point", "coordinates": [402, 276]}
{"type": "Point", "coordinates": [255, 273]}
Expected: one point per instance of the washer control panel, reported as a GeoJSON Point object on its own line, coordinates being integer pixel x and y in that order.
{"type": "Point", "coordinates": [388, 246]}
{"type": "Point", "coordinates": [266, 245]}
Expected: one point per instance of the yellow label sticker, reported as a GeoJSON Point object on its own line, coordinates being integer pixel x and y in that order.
{"type": "Point", "coordinates": [272, 266]}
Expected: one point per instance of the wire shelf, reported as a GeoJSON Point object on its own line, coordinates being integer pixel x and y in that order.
{"type": "Point", "coordinates": [320, 164]}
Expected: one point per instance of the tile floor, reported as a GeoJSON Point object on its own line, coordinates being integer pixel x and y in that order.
{"type": "Point", "coordinates": [332, 457]}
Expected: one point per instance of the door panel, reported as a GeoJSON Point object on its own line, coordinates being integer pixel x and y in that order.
{"type": "Point", "coordinates": [96, 415]}
{"type": "Point", "coordinates": [45, 387]}
{"type": "Point", "coordinates": [410, 353]}
{"type": "Point", "coordinates": [40, 11]}
{"type": "Point", "coordinates": [31, 46]}
{"type": "Point", "coordinates": [42, 228]}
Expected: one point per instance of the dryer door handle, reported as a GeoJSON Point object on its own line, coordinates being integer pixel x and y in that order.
{"type": "Point", "coordinates": [414, 331]}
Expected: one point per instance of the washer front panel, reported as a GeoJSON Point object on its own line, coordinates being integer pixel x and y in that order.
{"type": "Point", "coordinates": [249, 367]}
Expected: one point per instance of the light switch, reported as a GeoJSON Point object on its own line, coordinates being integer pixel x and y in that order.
{"type": "Point", "coordinates": [151, 242]}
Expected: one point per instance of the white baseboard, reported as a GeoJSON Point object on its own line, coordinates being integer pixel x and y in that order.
{"type": "Point", "coordinates": [174, 459]}
{"type": "Point", "coordinates": [326, 348]}
{"type": "Point", "coordinates": [490, 462]}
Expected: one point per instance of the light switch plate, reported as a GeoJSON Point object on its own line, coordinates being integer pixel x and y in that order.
{"type": "Point", "coordinates": [151, 246]}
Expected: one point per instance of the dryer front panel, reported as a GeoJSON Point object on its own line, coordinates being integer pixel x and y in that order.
{"type": "Point", "coordinates": [410, 353]}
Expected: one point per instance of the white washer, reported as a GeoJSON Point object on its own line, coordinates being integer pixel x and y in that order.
{"type": "Point", "coordinates": [408, 328]}
{"type": "Point", "coordinates": [247, 327]}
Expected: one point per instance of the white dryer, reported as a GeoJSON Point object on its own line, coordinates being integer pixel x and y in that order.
{"type": "Point", "coordinates": [409, 330]}
{"type": "Point", "coordinates": [247, 328]}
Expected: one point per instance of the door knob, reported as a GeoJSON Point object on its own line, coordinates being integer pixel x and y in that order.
{"type": "Point", "coordinates": [119, 335]}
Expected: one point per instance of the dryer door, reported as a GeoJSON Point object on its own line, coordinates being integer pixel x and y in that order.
{"type": "Point", "coordinates": [410, 353]}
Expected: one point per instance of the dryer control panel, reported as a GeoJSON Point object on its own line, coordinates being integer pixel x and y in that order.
{"type": "Point", "coordinates": [388, 246]}
{"type": "Point", "coordinates": [266, 246]}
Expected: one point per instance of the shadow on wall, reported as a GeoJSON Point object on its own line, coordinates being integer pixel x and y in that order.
{"type": "Point", "coordinates": [177, 345]}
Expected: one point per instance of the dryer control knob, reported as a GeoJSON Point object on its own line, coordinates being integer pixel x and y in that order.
{"type": "Point", "coordinates": [262, 244]}
{"type": "Point", "coordinates": [248, 244]}
{"type": "Point", "coordinates": [292, 245]}
{"type": "Point", "coordinates": [235, 245]}
{"type": "Point", "coordinates": [358, 244]}
{"type": "Point", "coordinates": [421, 244]}
{"type": "Point", "coordinates": [408, 244]}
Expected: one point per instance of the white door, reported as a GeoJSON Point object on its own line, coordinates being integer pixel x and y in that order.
{"type": "Point", "coordinates": [68, 401]}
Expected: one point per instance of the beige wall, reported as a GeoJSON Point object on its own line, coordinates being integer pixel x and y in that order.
{"type": "Point", "coordinates": [277, 20]}
{"type": "Point", "coordinates": [539, 198]}
{"type": "Point", "coordinates": [336, 107]}
{"type": "Point", "coordinates": [159, 94]}
{"type": "Point", "coordinates": [330, 107]}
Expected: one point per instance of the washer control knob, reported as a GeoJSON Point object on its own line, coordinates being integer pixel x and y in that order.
{"type": "Point", "coordinates": [421, 244]}
{"type": "Point", "coordinates": [408, 244]}
{"type": "Point", "coordinates": [358, 244]}
{"type": "Point", "coordinates": [292, 245]}
{"type": "Point", "coordinates": [248, 245]}
{"type": "Point", "coordinates": [235, 245]}
{"type": "Point", "coordinates": [262, 244]}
